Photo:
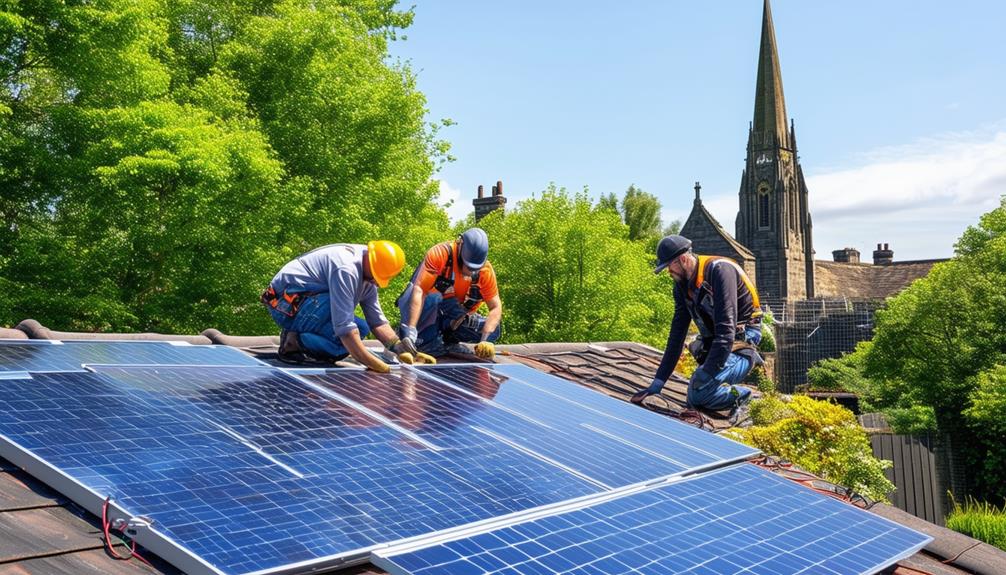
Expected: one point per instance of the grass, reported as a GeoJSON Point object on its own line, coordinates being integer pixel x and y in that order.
{"type": "Point", "coordinates": [980, 520]}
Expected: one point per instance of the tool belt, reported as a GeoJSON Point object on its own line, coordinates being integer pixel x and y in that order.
{"type": "Point", "coordinates": [286, 303]}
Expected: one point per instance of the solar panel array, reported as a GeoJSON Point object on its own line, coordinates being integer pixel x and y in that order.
{"type": "Point", "coordinates": [45, 355]}
{"type": "Point", "coordinates": [736, 520]}
{"type": "Point", "coordinates": [246, 468]}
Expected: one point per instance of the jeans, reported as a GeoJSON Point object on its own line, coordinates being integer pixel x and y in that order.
{"type": "Point", "coordinates": [435, 321]}
{"type": "Point", "coordinates": [313, 322]}
{"type": "Point", "coordinates": [720, 391]}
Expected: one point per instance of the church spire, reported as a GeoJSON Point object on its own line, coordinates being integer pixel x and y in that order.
{"type": "Point", "coordinates": [770, 104]}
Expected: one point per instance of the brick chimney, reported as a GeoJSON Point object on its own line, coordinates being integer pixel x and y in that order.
{"type": "Point", "coordinates": [846, 255]}
{"type": "Point", "coordinates": [484, 205]}
{"type": "Point", "coordinates": [883, 256]}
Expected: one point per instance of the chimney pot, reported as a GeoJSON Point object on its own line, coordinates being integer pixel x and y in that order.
{"type": "Point", "coordinates": [481, 192]}
{"type": "Point", "coordinates": [498, 190]}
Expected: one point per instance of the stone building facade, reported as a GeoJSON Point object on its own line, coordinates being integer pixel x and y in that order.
{"type": "Point", "coordinates": [774, 241]}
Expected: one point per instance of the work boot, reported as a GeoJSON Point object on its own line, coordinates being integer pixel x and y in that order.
{"type": "Point", "coordinates": [740, 414]}
{"type": "Point", "coordinates": [292, 351]}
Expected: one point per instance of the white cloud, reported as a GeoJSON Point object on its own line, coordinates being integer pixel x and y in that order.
{"type": "Point", "coordinates": [918, 197]}
{"type": "Point", "coordinates": [452, 201]}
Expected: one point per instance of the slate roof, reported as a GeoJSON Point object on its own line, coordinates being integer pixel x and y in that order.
{"type": "Point", "coordinates": [43, 533]}
{"type": "Point", "coordinates": [867, 281]}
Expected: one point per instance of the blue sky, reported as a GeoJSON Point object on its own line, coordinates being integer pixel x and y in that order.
{"type": "Point", "coordinates": [900, 106]}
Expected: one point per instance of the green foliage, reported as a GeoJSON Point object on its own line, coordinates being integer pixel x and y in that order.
{"type": "Point", "coordinates": [843, 373]}
{"type": "Point", "coordinates": [161, 160]}
{"type": "Point", "coordinates": [937, 346]}
{"type": "Point", "coordinates": [986, 419]}
{"type": "Point", "coordinates": [981, 520]}
{"type": "Point", "coordinates": [568, 272]}
{"type": "Point", "coordinates": [821, 437]}
{"type": "Point", "coordinates": [673, 228]}
{"type": "Point", "coordinates": [767, 343]}
{"type": "Point", "coordinates": [641, 212]}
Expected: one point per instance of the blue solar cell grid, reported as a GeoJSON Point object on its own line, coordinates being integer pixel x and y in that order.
{"type": "Point", "coordinates": [71, 355]}
{"type": "Point", "coordinates": [254, 468]}
{"type": "Point", "coordinates": [738, 520]}
{"type": "Point", "coordinates": [476, 406]}
{"type": "Point", "coordinates": [559, 402]}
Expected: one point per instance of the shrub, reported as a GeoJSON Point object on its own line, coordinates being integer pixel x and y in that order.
{"type": "Point", "coordinates": [820, 437]}
{"type": "Point", "coordinates": [980, 520]}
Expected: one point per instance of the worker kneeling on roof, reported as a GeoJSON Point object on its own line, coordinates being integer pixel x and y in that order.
{"type": "Point", "coordinates": [314, 297]}
{"type": "Point", "coordinates": [440, 303]}
{"type": "Point", "coordinates": [717, 294]}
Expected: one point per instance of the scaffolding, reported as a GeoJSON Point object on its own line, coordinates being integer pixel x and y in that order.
{"type": "Point", "coordinates": [808, 331]}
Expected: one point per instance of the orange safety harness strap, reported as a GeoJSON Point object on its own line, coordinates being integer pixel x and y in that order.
{"type": "Point", "coordinates": [705, 261]}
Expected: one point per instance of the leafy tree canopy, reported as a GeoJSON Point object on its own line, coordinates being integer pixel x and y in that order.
{"type": "Point", "coordinates": [570, 272]}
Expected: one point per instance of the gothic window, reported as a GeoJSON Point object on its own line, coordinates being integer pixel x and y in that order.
{"type": "Point", "coordinates": [764, 215]}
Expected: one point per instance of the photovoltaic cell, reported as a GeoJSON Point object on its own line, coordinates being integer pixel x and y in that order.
{"type": "Point", "coordinates": [254, 469]}
{"type": "Point", "coordinates": [588, 415]}
{"type": "Point", "coordinates": [44, 355]}
{"type": "Point", "coordinates": [482, 408]}
{"type": "Point", "coordinates": [737, 520]}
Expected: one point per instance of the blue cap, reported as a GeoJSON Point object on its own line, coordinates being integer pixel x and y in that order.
{"type": "Point", "coordinates": [669, 248]}
{"type": "Point", "coordinates": [475, 248]}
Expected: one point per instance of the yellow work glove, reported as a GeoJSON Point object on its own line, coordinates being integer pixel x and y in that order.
{"type": "Point", "coordinates": [485, 350]}
{"type": "Point", "coordinates": [379, 366]}
{"type": "Point", "coordinates": [425, 358]}
{"type": "Point", "coordinates": [402, 350]}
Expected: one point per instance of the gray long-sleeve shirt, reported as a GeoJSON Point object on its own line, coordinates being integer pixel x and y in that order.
{"type": "Point", "coordinates": [338, 270]}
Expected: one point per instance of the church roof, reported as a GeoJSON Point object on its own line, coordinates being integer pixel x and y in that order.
{"type": "Point", "coordinates": [700, 214]}
{"type": "Point", "coordinates": [770, 104]}
{"type": "Point", "coordinates": [866, 281]}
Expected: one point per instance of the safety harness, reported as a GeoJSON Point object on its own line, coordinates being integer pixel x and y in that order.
{"type": "Point", "coordinates": [740, 342]}
{"type": "Point", "coordinates": [445, 280]}
{"type": "Point", "coordinates": [286, 303]}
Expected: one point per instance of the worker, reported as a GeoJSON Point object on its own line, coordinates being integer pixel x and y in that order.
{"type": "Point", "coordinates": [717, 295]}
{"type": "Point", "coordinates": [439, 305]}
{"type": "Point", "coordinates": [313, 299]}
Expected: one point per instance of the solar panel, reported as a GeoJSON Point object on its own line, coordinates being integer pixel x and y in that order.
{"type": "Point", "coordinates": [737, 520]}
{"type": "Point", "coordinates": [243, 469]}
{"type": "Point", "coordinates": [486, 409]}
{"type": "Point", "coordinates": [47, 355]}
{"type": "Point", "coordinates": [561, 403]}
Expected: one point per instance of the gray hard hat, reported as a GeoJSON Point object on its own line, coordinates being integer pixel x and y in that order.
{"type": "Point", "coordinates": [669, 248]}
{"type": "Point", "coordinates": [475, 248]}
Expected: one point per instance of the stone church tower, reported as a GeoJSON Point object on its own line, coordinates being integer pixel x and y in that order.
{"type": "Point", "coordinates": [774, 219]}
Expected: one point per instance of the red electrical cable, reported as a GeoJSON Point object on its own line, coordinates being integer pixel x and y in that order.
{"type": "Point", "coordinates": [106, 527]}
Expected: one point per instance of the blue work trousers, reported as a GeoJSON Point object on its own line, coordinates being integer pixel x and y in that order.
{"type": "Point", "coordinates": [435, 321]}
{"type": "Point", "coordinates": [313, 322]}
{"type": "Point", "coordinates": [721, 392]}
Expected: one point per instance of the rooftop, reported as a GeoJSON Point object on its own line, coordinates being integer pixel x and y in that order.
{"type": "Point", "coordinates": [42, 532]}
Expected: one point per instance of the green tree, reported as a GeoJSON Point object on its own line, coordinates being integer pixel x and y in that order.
{"type": "Point", "coordinates": [608, 202]}
{"type": "Point", "coordinates": [160, 160]}
{"type": "Point", "coordinates": [568, 272]}
{"type": "Point", "coordinates": [938, 345]}
{"type": "Point", "coordinates": [641, 212]}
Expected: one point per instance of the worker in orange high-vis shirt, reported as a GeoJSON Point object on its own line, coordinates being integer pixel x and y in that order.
{"type": "Point", "coordinates": [314, 298]}
{"type": "Point", "coordinates": [439, 306]}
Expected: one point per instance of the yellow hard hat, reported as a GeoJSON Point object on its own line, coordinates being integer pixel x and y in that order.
{"type": "Point", "coordinates": [386, 260]}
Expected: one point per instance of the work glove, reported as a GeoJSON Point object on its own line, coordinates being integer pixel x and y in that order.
{"type": "Point", "coordinates": [655, 386]}
{"type": "Point", "coordinates": [409, 337]}
{"type": "Point", "coordinates": [425, 358]}
{"type": "Point", "coordinates": [379, 367]}
{"type": "Point", "coordinates": [401, 351]}
{"type": "Point", "coordinates": [485, 350]}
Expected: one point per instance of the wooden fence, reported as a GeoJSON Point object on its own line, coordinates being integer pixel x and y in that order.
{"type": "Point", "coordinates": [920, 487]}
